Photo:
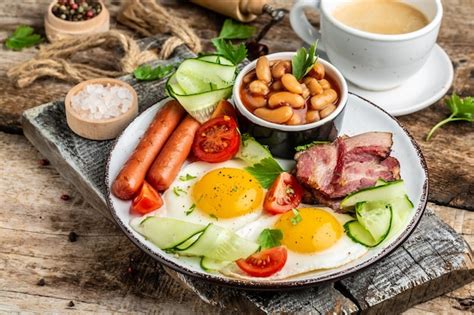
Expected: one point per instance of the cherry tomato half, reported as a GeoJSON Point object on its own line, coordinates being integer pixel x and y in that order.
{"type": "Point", "coordinates": [217, 140]}
{"type": "Point", "coordinates": [264, 263]}
{"type": "Point", "coordinates": [224, 108]}
{"type": "Point", "coordinates": [284, 194]}
{"type": "Point", "coordinates": [147, 200]}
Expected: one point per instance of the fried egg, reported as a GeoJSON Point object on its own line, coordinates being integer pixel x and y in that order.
{"type": "Point", "coordinates": [220, 193]}
{"type": "Point", "coordinates": [316, 241]}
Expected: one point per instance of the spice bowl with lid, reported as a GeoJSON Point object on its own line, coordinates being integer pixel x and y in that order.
{"type": "Point", "coordinates": [99, 109]}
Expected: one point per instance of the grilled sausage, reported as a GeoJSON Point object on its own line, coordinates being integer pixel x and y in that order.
{"type": "Point", "coordinates": [168, 163]}
{"type": "Point", "coordinates": [132, 175]}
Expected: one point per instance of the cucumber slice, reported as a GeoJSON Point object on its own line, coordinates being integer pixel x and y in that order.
{"type": "Point", "coordinates": [167, 233]}
{"type": "Point", "coordinates": [359, 234]}
{"type": "Point", "coordinates": [216, 59]}
{"type": "Point", "coordinates": [209, 264]}
{"type": "Point", "coordinates": [190, 241]}
{"type": "Point", "coordinates": [375, 217]}
{"type": "Point", "coordinates": [380, 182]}
{"type": "Point", "coordinates": [389, 191]}
{"type": "Point", "coordinates": [200, 105]}
{"type": "Point", "coordinates": [251, 151]}
{"type": "Point", "coordinates": [197, 75]}
{"type": "Point", "coordinates": [220, 244]}
{"type": "Point", "coordinates": [401, 208]}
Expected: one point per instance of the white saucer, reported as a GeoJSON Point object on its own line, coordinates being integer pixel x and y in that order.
{"type": "Point", "coordinates": [422, 90]}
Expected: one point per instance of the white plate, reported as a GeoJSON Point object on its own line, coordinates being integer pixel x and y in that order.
{"type": "Point", "coordinates": [360, 116]}
{"type": "Point", "coordinates": [420, 91]}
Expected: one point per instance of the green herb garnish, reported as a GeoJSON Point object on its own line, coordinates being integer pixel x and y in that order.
{"type": "Point", "coordinates": [269, 238]}
{"type": "Point", "coordinates": [147, 73]}
{"type": "Point", "coordinates": [234, 30]}
{"type": "Point", "coordinates": [303, 61]}
{"type": "Point", "coordinates": [186, 177]}
{"type": "Point", "coordinates": [296, 217]}
{"type": "Point", "coordinates": [191, 209]}
{"type": "Point", "coordinates": [23, 37]}
{"type": "Point", "coordinates": [234, 53]}
{"type": "Point", "coordinates": [178, 191]}
{"type": "Point", "coordinates": [461, 110]}
{"type": "Point", "coordinates": [309, 145]}
{"type": "Point", "coordinates": [265, 171]}
{"type": "Point", "coordinates": [214, 217]}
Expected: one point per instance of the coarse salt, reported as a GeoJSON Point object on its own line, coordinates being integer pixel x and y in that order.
{"type": "Point", "coordinates": [99, 102]}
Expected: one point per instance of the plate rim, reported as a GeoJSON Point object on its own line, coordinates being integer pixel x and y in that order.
{"type": "Point", "coordinates": [281, 285]}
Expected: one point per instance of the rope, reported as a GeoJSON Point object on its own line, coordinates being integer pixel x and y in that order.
{"type": "Point", "coordinates": [148, 18]}
{"type": "Point", "coordinates": [144, 16]}
{"type": "Point", "coordinates": [54, 60]}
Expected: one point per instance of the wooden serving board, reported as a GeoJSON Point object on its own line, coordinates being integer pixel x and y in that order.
{"type": "Point", "coordinates": [433, 261]}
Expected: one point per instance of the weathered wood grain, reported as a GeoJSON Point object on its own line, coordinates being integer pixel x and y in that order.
{"type": "Point", "coordinates": [450, 184]}
{"type": "Point", "coordinates": [445, 191]}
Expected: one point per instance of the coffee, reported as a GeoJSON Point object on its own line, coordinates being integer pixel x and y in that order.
{"type": "Point", "coordinates": [381, 16]}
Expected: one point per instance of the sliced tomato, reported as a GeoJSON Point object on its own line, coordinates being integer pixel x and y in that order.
{"type": "Point", "coordinates": [147, 200]}
{"type": "Point", "coordinates": [217, 140]}
{"type": "Point", "coordinates": [284, 194]}
{"type": "Point", "coordinates": [264, 263]}
{"type": "Point", "coordinates": [224, 107]}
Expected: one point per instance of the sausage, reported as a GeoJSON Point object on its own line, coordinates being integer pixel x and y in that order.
{"type": "Point", "coordinates": [132, 175]}
{"type": "Point", "coordinates": [168, 163]}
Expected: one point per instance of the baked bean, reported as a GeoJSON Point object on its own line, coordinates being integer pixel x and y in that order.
{"type": "Point", "coordinates": [279, 115]}
{"type": "Point", "coordinates": [318, 71]}
{"type": "Point", "coordinates": [314, 87]}
{"type": "Point", "coordinates": [291, 84]}
{"type": "Point", "coordinates": [286, 98]}
{"type": "Point", "coordinates": [305, 93]}
{"type": "Point", "coordinates": [294, 120]}
{"type": "Point", "coordinates": [280, 68]}
{"type": "Point", "coordinates": [253, 101]}
{"type": "Point", "coordinates": [263, 70]}
{"type": "Point", "coordinates": [325, 84]}
{"type": "Point", "coordinates": [312, 116]}
{"type": "Point", "coordinates": [320, 101]}
{"type": "Point", "coordinates": [249, 77]}
{"type": "Point", "coordinates": [327, 111]}
{"type": "Point", "coordinates": [277, 86]}
{"type": "Point", "coordinates": [258, 87]}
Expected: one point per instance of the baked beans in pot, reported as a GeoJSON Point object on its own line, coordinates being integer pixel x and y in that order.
{"type": "Point", "coordinates": [271, 92]}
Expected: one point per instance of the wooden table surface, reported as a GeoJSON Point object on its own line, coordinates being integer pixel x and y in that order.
{"type": "Point", "coordinates": [58, 254]}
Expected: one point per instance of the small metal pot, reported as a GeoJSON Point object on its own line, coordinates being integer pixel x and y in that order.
{"type": "Point", "coordinates": [282, 139]}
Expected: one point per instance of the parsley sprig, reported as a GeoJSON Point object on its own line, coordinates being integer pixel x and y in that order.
{"type": "Point", "coordinates": [265, 171]}
{"type": "Point", "coordinates": [461, 110]}
{"type": "Point", "coordinates": [233, 30]}
{"type": "Point", "coordinates": [269, 238]}
{"type": "Point", "coordinates": [23, 37]}
{"type": "Point", "coordinates": [296, 218]}
{"type": "Point", "coordinates": [303, 61]}
{"type": "Point", "coordinates": [147, 73]}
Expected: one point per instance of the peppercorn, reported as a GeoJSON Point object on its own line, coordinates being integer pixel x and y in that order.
{"type": "Point", "coordinates": [76, 10]}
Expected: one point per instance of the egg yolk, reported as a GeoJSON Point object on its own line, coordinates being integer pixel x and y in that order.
{"type": "Point", "coordinates": [318, 230]}
{"type": "Point", "coordinates": [227, 193]}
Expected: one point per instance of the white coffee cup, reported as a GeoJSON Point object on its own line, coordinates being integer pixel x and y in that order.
{"type": "Point", "coordinates": [369, 60]}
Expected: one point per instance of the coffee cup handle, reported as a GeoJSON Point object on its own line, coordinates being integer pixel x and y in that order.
{"type": "Point", "coordinates": [300, 24]}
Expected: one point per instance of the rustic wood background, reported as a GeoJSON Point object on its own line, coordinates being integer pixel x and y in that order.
{"type": "Point", "coordinates": [97, 270]}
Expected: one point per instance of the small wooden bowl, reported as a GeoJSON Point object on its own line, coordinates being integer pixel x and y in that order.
{"type": "Point", "coordinates": [99, 129]}
{"type": "Point", "coordinates": [57, 28]}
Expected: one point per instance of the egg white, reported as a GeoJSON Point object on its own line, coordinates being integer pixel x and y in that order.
{"type": "Point", "coordinates": [176, 206]}
{"type": "Point", "coordinates": [342, 252]}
